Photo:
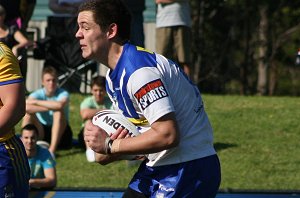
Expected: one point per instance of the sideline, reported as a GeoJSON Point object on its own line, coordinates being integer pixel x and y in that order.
{"type": "Point", "coordinates": [117, 193]}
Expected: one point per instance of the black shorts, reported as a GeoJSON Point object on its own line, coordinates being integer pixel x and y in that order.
{"type": "Point", "coordinates": [81, 142]}
{"type": "Point", "coordinates": [66, 139]}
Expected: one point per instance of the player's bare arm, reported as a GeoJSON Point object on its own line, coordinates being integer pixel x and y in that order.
{"type": "Point", "coordinates": [13, 109]}
{"type": "Point", "coordinates": [162, 135]}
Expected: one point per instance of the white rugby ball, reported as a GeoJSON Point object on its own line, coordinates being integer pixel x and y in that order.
{"type": "Point", "coordinates": [110, 121]}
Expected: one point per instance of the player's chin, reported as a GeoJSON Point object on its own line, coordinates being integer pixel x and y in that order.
{"type": "Point", "coordinates": [84, 54]}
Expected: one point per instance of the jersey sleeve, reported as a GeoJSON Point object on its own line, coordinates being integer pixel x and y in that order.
{"type": "Point", "coordinates": [150, 93]}
{"type": "Point", "coordinates": [9, 67]}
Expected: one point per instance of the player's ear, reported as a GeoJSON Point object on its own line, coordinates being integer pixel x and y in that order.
{"type": "Point", "coordinates": [112, 31]}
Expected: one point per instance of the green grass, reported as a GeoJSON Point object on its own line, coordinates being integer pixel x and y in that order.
{"type": "Point", "coordinates": [257, 139]}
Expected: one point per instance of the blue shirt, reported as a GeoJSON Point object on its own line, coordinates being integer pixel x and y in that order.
{"type": "Point", "coordinates": [43, 160]}
{"type": "Point", "coordinates": [46, 117]}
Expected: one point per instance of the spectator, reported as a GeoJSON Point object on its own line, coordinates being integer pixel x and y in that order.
{"type": "Point", "coordinates": [12, 36]}
{"type": "Point", "coordinates": [136, 8]}
{"type": "Point", "coordinates": [17, 19]}
{"type": "Point", "coordinates": [48, 109]}
{"type": "Point", "coordinates": [64, 7]}
{"type": "Point", "coordinates": [154, 93]}
{"type": "Point", "coordinates": [13, 16]}
{"type": "Point", "coordinates": [90, 106]}
{"type": "Point", "coordinates": [15, 172]}
{"type": "Point", "coordinates": [42, 165]}
{"type": "Point", "coordinates": [173, 32]}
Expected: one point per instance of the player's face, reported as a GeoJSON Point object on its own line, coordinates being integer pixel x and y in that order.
{"type": "Point", "coordinates": [50, 83]}
{"type": "Point", "coordinates": [98, 93]}
{"type": "Point", "coordinates": [29, 140]}
{"type": "Point", "coordinates": [93, 42]}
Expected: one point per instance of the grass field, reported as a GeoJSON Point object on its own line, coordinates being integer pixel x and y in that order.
{"type": "Point", "coordinates": [257, 139]}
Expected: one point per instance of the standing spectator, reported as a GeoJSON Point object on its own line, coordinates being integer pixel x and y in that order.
{"type": "Point", "coordinates": [173, 32]}
{"type": "Point", "coordinates": [152, 92]}
{"type": "Point", "coordinates": [90, 106]}
{"type": "Point", "coordinates": [15, 172]}
{"type": "Point", "coordinates": [14, 13]}
{"type": "Point", "coordinates": [42, 165]}
{"type": "Point", "coordinates": [17, 19]}
{"type": "Point", "coordinates": [64, 7]}
{"type": "Point", "coordinates": [48, 109]}
{"type": "Point", "coordinates": [26, 10]}
{"type": "Point", "coordinates": [12, 36]}
{"type": "Point", "coordinates": [136, 7]}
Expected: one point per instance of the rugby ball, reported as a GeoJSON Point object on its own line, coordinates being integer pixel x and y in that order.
{"type": "Point", "coordinates": [110, 121]}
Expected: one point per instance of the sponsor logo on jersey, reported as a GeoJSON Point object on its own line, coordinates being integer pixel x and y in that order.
{"type": "Point", "coordinates": [150, 93]}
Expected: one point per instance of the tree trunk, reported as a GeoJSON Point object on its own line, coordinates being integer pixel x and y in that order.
{"type": "Point", "coordinates": [245, 65]}
{"type": "Point", "coordinates": [262, 51]}
{"type": "Point", "coordinates": [197, 33]}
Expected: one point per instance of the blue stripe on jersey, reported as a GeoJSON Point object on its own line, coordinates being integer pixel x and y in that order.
{"type": "Point", "coordinates": [20, 162]}
{"type": "Point", "coordinates": [131, 60]}
{"type": "Point", "coordinates": [16, 171]}
{"type": "Point", "coordinates": [11, 81]}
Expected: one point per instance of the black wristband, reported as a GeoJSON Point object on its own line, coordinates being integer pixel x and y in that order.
{"type": "Point", "coordinates": [108, 145]}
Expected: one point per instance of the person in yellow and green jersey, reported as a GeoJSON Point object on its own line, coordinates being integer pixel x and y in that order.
{"type": "Point", "coordinates": [14, 172]}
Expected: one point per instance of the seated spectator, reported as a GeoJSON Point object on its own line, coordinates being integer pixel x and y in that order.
{"type": "Point", "coordinates": [48, 109]}
{"type": "Point", "coordinates": [90, 106]}
{"type": "Point", "coordinates": [42, 165]}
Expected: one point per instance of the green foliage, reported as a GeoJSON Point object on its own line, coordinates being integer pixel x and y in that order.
{"type": "Point", "coordinates": [228, 43]}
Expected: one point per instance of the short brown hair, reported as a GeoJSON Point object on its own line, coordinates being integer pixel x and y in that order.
{"type": "Point", "coordinates": [99, 81]}
{"type": "Point", "coordinates": [49, 70]}
{"type": "Point", "coordinates": [30, 127]}
{"type": "Point", "coordinates": [106, 12]}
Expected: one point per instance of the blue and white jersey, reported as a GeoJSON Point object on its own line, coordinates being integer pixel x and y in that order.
{"type": "Point", "coordinates": [145, 86]}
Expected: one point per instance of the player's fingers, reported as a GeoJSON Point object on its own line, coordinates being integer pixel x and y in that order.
{"type": "Point", "coordinates": [123, 134]}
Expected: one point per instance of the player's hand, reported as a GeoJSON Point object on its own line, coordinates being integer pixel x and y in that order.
{"type": "Point", "coordinates": [120, 133]}
{"type": "Point", "coordinates": [95, 137]}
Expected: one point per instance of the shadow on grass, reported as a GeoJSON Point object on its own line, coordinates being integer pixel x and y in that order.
{"type": "Point", "coordinates": [221, 146]}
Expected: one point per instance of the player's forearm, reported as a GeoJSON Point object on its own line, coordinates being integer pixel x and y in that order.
{"type": "Point", "coordinates": [105, 159]}
{"type": "Point", "coordinates": [148, 142]}
{"type": "Point", "coordinates": [162, 135]}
